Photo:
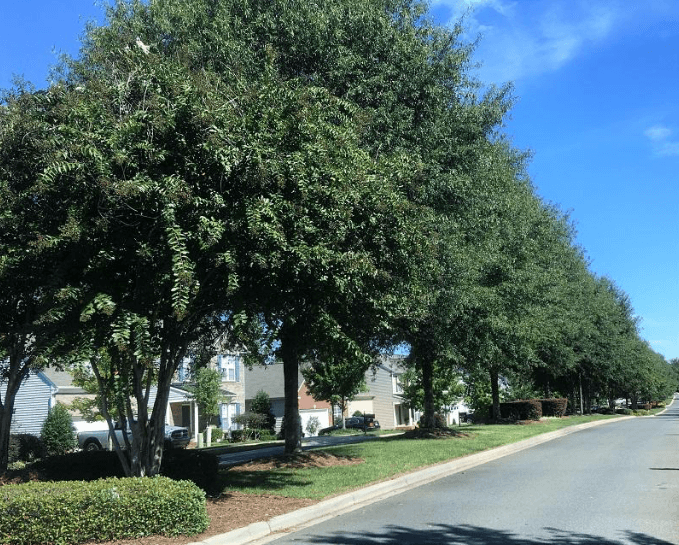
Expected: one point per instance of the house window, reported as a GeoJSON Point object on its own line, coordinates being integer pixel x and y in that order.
{"type": "Point", "coordinates": [184, 370]}
{"type": "Point", "coordinates": [397, 384]}
{"type": "Point", "coordinates": [228, 412]}
{"type": "Point", "coordinates": [229, 367]}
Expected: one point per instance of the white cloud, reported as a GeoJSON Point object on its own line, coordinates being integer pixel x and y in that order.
{"type": "Point", "coordinates": [658, 132]}
{"type": "Point", "coordinates": [663, 146]}
{"type": "Point", "coordinates": [527, 39]}
{"type": "Point", "coordinates": [668, 149]}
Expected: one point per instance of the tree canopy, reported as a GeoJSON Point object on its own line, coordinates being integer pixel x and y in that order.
{"type": "Point", "coordinates": [252, 166]}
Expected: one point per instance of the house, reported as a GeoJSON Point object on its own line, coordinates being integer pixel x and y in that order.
{"type": "Point", "coordinates": [33, 401]}
{"type": "Point", "coordinates": [39, 392]}
{"type": "Point", "coordinates": [384, 396]}
{"type": "Point", "coordinates": [183, 411]}
{"type": "Point", "coordinates": [269, 378]}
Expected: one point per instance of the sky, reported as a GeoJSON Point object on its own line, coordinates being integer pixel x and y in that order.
{"type": "Point", "coordinates": [597, 102]}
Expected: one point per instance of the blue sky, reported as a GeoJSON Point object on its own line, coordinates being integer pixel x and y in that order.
{"type": "Point", "coordinates": [598, 104]}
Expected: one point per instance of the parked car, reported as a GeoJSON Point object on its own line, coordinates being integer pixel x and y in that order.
{"type": "Point", "coordinates": [94, 436]}
{"type": "Point", "coordinates": [355, 422]}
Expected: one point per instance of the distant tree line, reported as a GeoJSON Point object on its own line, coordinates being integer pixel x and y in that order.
{"type": "Point", "coordinates": [322, 181]}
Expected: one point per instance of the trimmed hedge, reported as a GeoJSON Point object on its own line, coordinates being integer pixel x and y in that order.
{"type": "Point", "coordinates": [61, 513]}
{"type": "Point", "coordinates": [525, 409]}
{"type": "Point", "coordinates": [24, 447]}
{"type": "Point", "coordinates": [554, 406]}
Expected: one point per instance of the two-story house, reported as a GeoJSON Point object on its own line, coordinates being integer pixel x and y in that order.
{"type": "Point", "coordinates": [269, 378]}
{"type": "Point", "coordinates": [384, 396]}
{"type": "Point", "coordinates": [184, 411]}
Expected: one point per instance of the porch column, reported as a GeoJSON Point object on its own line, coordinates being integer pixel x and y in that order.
{"type": "Point", "coordinates": [195, 420]}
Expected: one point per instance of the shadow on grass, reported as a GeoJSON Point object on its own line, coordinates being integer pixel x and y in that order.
{"type": "Point", "coordinates": [269, 481]}
{"type": "Point", "coordinates": [441, 534]}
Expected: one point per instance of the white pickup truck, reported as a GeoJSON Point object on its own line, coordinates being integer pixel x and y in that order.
{"type": "Point", "coordinates": [95, 436]}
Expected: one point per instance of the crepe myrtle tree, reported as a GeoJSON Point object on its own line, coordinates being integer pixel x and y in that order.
{"type": "Point", "coordinates": [152, 262]}
{"type": "Point", "coordinates": [36, 242]}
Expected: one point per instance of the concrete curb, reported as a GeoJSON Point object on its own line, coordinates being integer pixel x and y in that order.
{"type": "Point", "coordinates": [344, 503]}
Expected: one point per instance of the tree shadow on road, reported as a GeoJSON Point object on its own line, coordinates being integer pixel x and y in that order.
{"type": "Point", "coordinates": [442, 534]}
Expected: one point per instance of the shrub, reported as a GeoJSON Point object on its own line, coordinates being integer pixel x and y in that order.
{"type": "Point", "coordinates": [24, 447]}
{"type": "Point", "coordinates": [201, 467]}
{"type": "Point", "coordinates": [527, 409]}
{"type": "Point", "coordinates": [236, 436]}
{"type": "Point", "coordinates": [627, 412]}
{"type": "Point", "coordinates": [79, 466]}
{"type": "Point", "coordinates": [251, 420]}
{"type": "Point", "coordinates": [554, 406]}
{"type": "Point", "coordinates": [217, 434]}
{"type": "Point", "coordinates": [357, 413]}
{"type": "Point", "coordinates": [439, 421]}
{"type": "Point", "coordinates": [312, 425]}
{"type": "Point", "coordinates": [261, 404]}
{"type": "Point", "coordinates": [57, 431]}
{"type": "Point", "coordinates": [108, 509]}
{"type": "Point", "coordinates": [267, 435]}
{"type": "Point", "coordinates": [605, 410]}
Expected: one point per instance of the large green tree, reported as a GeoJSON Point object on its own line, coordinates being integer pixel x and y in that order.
{"type": "Point", "coordinates": [36, 242]}
{"type": "Point", "coordinates": [336, 381]}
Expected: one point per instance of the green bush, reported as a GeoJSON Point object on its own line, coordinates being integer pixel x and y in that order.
{"type": "Point", "coordinates": [75, 512]}
{"type": "Point", "coordinates": [267, 435]}
{"type": "Point", "coordinates": [554, 406]}
{"type": "Point", "coordinates": [57, 431]}
{"type": "Point", "coordinates": [439, 421]}
{"type": "Point", "coordinates": [24, 447]}
{"type": "Point", "coordinates": [627, 412]}
{"type": "Point", "coordinates": [313, 425]}
{"type": "Point", "coordinates": [605, 410]}
{"type": "Point", "coordinates": [527, 409]}
{"type": "Point", "coordinates": [217, 434]}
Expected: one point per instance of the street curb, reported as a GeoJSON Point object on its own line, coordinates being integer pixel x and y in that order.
{"type": "Point", "coordinates": [350, 501]}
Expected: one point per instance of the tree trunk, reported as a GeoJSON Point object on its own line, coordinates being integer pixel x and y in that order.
{"type": "Point", "coordinates": [290, 356]}
{"type": "Point", "coordinates": [582, 408]}
{"type": "Point", "coordinates": [17, 373]}
{"type": "Point", "coordinates": [495, 391]}
{"type": "Point", "coordinates": [428, 386]}
{"type": "Point", "coordinates": [6, 411]}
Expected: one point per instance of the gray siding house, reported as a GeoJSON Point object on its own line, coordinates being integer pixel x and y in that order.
{"type": "Point", "coordinates": [41, 391]}
{"type": "Point", "coordinates": [384, 396]}
{"type": "Point", "coordinates": [35, 398]}
{"type": "Point", "coordinates": [269, 378]}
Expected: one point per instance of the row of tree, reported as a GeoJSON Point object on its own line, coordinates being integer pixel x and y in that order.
{"type": "Point", "coordinates": [320, 182]}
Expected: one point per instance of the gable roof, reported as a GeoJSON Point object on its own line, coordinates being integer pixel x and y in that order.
{"type": "Point", "coordinates": [268, 378]}
{"type": "Point", "coordinates": [63, 380]}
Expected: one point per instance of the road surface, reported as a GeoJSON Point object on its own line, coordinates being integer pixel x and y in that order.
{"type": "Point", "coordinates": [233, 458]}
{"type": "Point", "coordinates": [610, 485]}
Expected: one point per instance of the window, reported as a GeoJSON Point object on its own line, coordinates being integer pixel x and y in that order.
{"type": "Point", "coordinates": [184, 370]}
{"type": "Point", "coordinates": [229, 367]}
{"type": "Point", "coordinates": [228, 412]}
{"type": "Point", "coordinates": [397, 384]}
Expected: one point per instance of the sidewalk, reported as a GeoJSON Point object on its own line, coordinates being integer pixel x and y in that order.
{"type": "Point", "coordinates": [344, 503]}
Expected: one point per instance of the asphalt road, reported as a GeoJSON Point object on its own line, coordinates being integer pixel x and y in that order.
{"type": "Point", "coordinates": [233, 458]}
{"type": "Point", "coordinates": [610, 485]}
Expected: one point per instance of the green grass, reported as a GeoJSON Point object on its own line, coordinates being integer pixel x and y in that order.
{"type": "Point", "coordinates": [386, 458]}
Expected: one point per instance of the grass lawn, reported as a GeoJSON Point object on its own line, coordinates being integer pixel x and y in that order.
{"type": "Point", "coordinates": [386, 458]}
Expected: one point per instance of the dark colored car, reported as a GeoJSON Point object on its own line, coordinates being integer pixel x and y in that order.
{"type": "Point", "coordinates": [367, 423]}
